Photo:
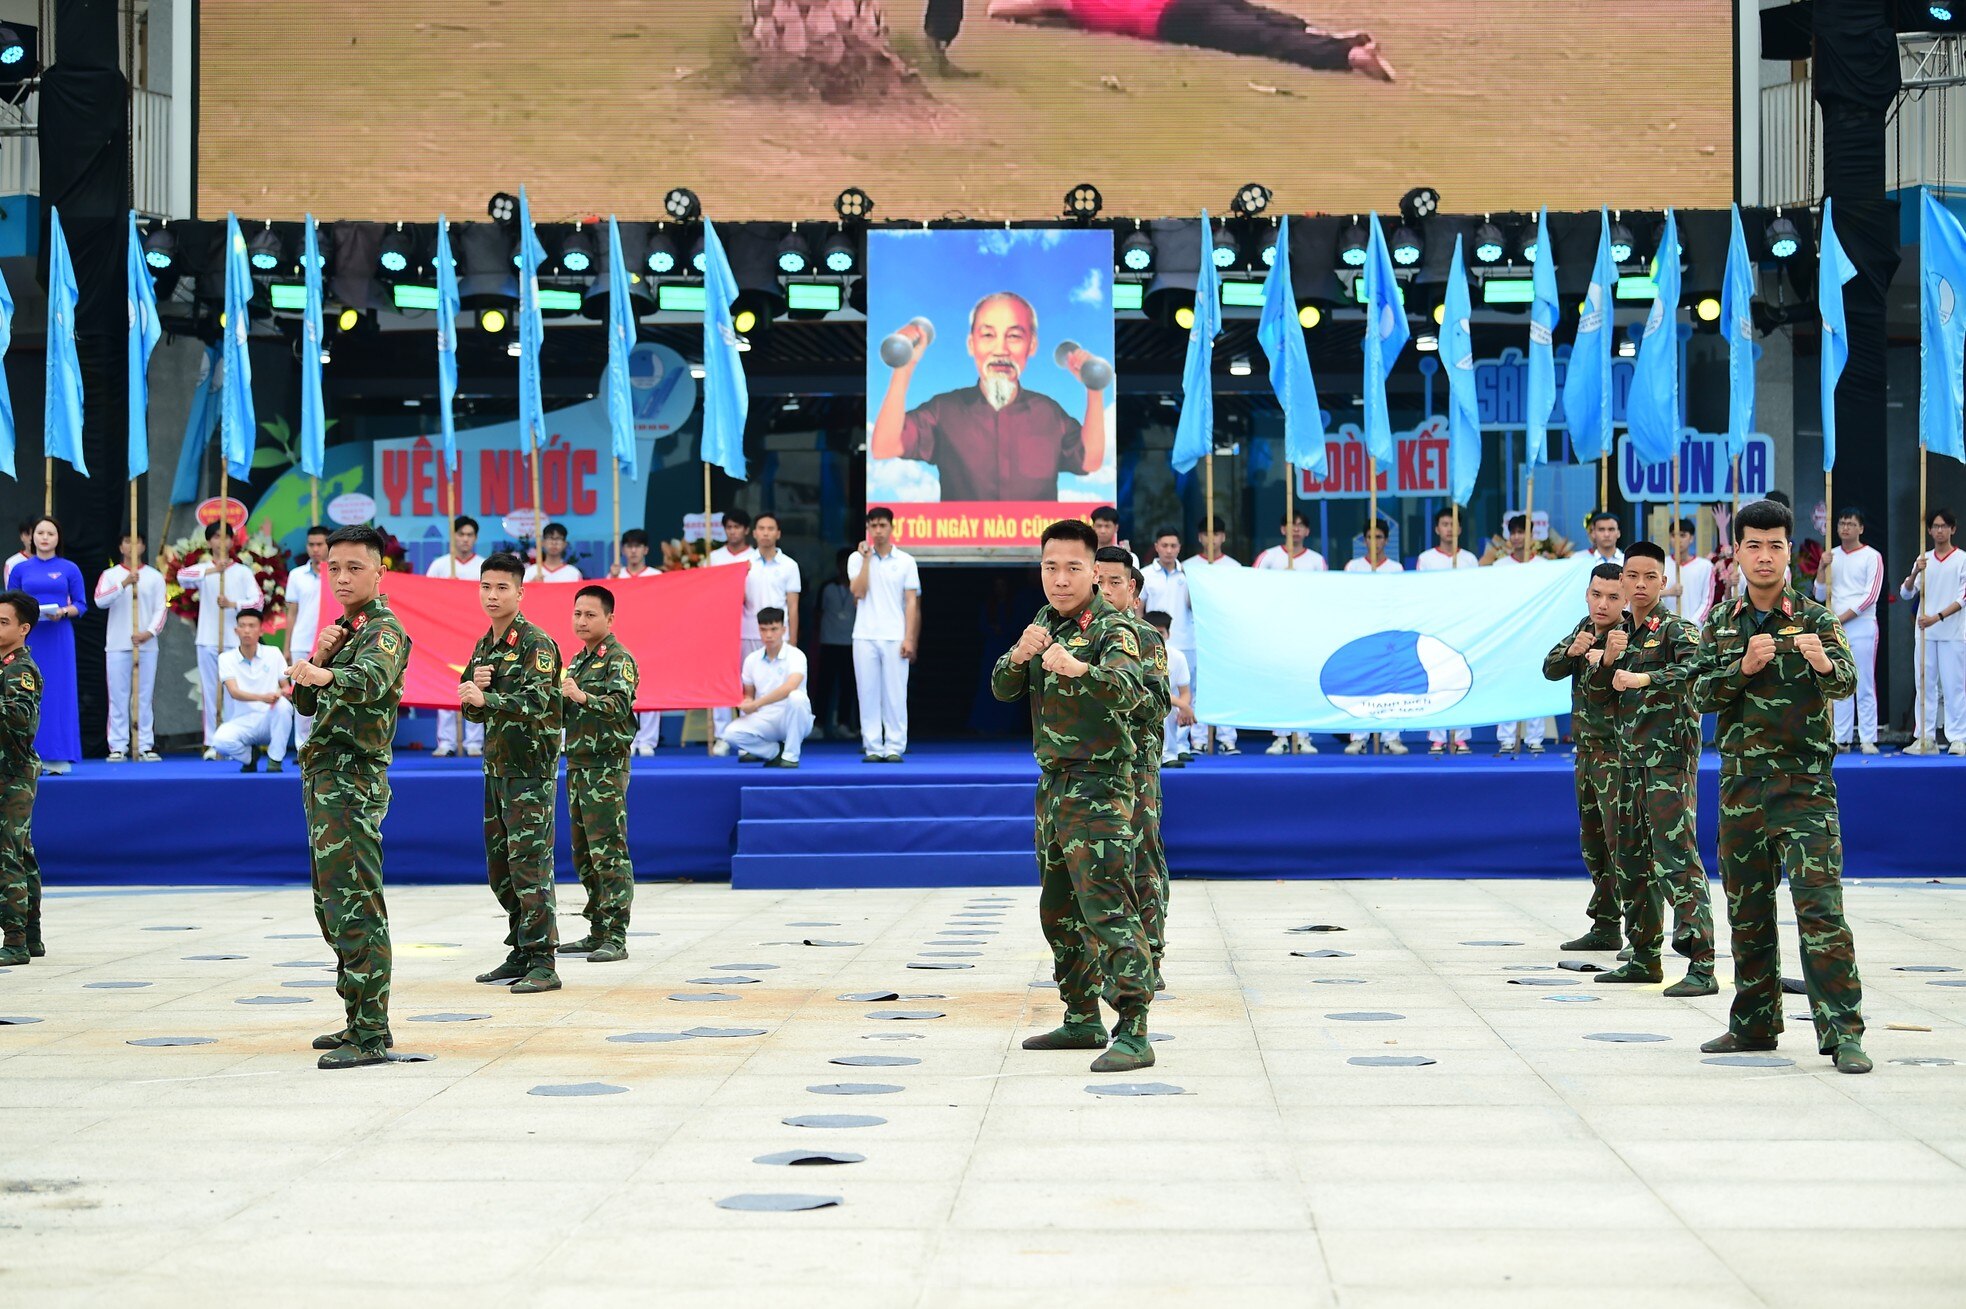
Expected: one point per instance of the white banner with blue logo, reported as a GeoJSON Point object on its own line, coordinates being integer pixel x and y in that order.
{"type": "Point", "coordinates": [1344, 652]}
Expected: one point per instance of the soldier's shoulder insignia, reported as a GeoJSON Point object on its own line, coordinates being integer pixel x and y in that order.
{"type": "Point", "coordinates": [1160, 661]}
{"type": "Point", "coordinates": [542, 659]}
{"type": "Point", "coordinates": [1650, 644]}
{"type": "Point", "coordinates": [1128, 643]}
{"type": "Point", "coordinates": [388, 643]}
{"type": "Point", "coordinates": [1790, 630]}
{"type": "Point", "coordinates": [30, 681]}
{"type": "Point", "coordinates": [624, 669]}
{"type": "Point", "coordinates": [1076, 642]}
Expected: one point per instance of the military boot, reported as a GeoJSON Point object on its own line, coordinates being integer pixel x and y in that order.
{"type": "Point", "coordinates": [353, 1056]}
{"type": "Point", "coordinates": [1637, 971]}
{"type": "Point", "coordinates": [334, 1040]}
{"type": "Point", "coordinates": [1698, 981]}
{"type": "Point", "coordinates": [1075, 1033]}
{"type": "Point", "coordinates": [13, 948]}
{"type": "Point", "coordinates": [1850, 1058]}
{"type": "Point", "coordinates": [34, 947]}
{"type": "Point", "coordinates": [540, 977]}
{"type": "Point", "coordinates": [1730, 1043]}
{"type": "Point", "coordinates": [513, 968]}
{"type": "Point", "coordinates": [591, 941]}
{"type": "Point", "coordinates": [1600, 937]}
{"type": "Point", "coordinates": [1130, 1049]}
{"type": "Point", "coordinates": [611, 951]}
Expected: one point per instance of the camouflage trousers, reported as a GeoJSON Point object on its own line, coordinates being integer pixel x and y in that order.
{"type": "Point", "coordinates": [1086, 902]}
{"type": "Point", "coordinates": [20, 872]}
{"type": "Point", "coordinates": [1597, 823]}
{"type": "Point", "coordinates": [1656, 849]}
{"type": "Point", "coordinates": [1150, 865]}
{"type": "Point", "coordinates": [344, 831]}
{"type": "Point", "coordinates": [519, 862]}
{"type": "Point", "coordinates": [1770, 826]}
{"type": "Point", "coordinates": [597, 810]}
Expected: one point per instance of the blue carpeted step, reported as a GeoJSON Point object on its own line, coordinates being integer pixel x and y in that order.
{"type": "Point", "coordinates": [931, 800]}
{"type": "Point", "coordinates": [781, 872]}
{"type": "Point", "coordinates": [883, 836]}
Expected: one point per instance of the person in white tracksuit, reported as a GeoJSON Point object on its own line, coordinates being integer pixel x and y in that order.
{"type": "Point", "coordinates": [635, 563]}
{"type": "Point", "coordinates": [736, 552]}
{"type": "Point", "coordinates": [1447, 555]}
{"type": "Point", "coordinates": [1940, 574]}
{"type": "Point", "coordinates": [1849, 581]}
{"type": "Point", "coordinates": [1293, 556]}
{"type": "Point", "coordinates": [1212, 536]}
{"type": "Point", "coordinates": [304, 612]}
{"type": "Point", "coordinates": [1165, 590]}
{"type": "Point", "coordinates": [1533, 730]}
{"type": "Point", "coordinates": [259, 708]}
{"type": "Point", "coordinates": [113, 590]}
{"type": "Point", "coordinates": [461, 562]}
{"type": "Point", "coordinates": [1179, 684]}
{"type": "Point", "coordinates": [222, 585]}
{"type": "Point", "coordinates": [1375, 560]}
{"type": "Point", "coordinates": [887, 619]}
{"type": "Point", "coordinates": [775, 717]}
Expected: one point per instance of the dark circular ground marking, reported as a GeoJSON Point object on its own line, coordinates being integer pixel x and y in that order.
{"type": "Point", "coordinates": [16, 1020]}
{"type": "Point", "coordinates": [578, 1088]}
{"type": "Point", "coordinates": [1390, 1060]}
{"type": "Point", "coordinates": [855, 1088]}
{"type": "Point", "coordinates": [1491, 943]}
{"type": "Point", "coordinates": [1544, 981]}
{"type": "Point", "coordinates": [765, 1203]}
{"type": "Point", "coordinates": [173, 928]}
{"type": "Point", "coordinates": [908, 1015]}
{"type": "Point", "coordinates": [701, 997]}
{"type": "Point", "coordinates": [1579, 966]}
{"type": "Point", "coordinates": [714, 1032]}
{"type": "Point", "coordinates": [114, 986]}
{"type": "Point", "coordinates": [1626, 1038]}
{"type": "Point", "coordinates": [1337, 981]}
{"type": "Point", "coordinates": [647, 1038]}
{"type": "Point", "coordinates": [173, 1040]}
{"type": "Point", "coordinates": [833, 1120]}
{"type": "Point", "coordinates": [1367, 1016]}
{"type": "Point", "coordinates": [1315, 927]}
{"type": "Point", "coordinates": [447, 1018]}
{"type": "Point", "coordinates": [1925, 968]}
{"type": "Point", "coordinates": [1320, 954]}
{"type": "Point", "coordinates": [1135, 1088]}
{"type": "Point", "coordinates": [408, 1057]}
{"type": "Point", "coordinates": [1750, 1061]}
{"type": "Point", "coordinates": [210, 958]}
{"type": "Point", "coordinates": [919, 964]}
{"type": "Point", "coordinates": [1574, 999]}
{"type": "Point", "coordinates": [869, 997]}
{"type": "Point", "coordinates": [274, 999]}
{"type": "Point", "coordinates": [723, 981]}
{"type": "Point", "coordinates": [874, 1061]}
{"type": "Point", "coordinates": [809, 1158]}
{"type": "Point", "coordinates": [1925, 1061]}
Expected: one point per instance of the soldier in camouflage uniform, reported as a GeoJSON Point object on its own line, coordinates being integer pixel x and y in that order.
{"type": "Point", "coordinates": [1119, 583]}
{"type": "Point", "coordinates": [512, 686]}
{"type": "Point", "coordinates": [351, 684]}
{"type": "Point", "coordinates": [1773, 664]}
{"type": "Point", "coordinates": [20, 770]}
{"type": "Point", "coordinates": [599, 689]}
{"type": "Point", "coordinates": [1079, 663]}
{"type": "Point", "coordinates": [1576, 656]}
{"type": "Point", "coordinates": [1644, 678]}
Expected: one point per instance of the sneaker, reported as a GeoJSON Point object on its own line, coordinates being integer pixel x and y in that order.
{"type": "Point", "coordinates": [1462, 747]}
{"type": "Point", "coordinates": [891, 759]}
{"type": "Point", "coordinates": [1633, 973]}
{"type": "Point", "coordinates": [583, 945]}
{"type": "Point", "coordinates": [1534, 748]}
{"type": "Point", "coordinates": [1870, 747]}
{"type": "Point", "coordinates": [444, 751]}
{"type": "Point", "coordinates": [1730, 1043]}
{"type": "Point", "coordinates": [744, 758]}
{"type": "Point", "coordinates": [1921, 746]}
{"type": "Point", "coordinates": [645, 752]}
{"type": "Point", "coordinates": [150, 757]}
{"type": "Point", "coordinates": [781, 762]}
{"type": "Point", "coordinates": [511, 970]}
{"type": "Point", "coordinates": [1170, 761]}
{"type": "Point", "coordinates": [473, 751]}
{"type": "Point", "coordinates": [210, 755]}
{"type": "Point", "coordinates": [117, 757]}
{"type": "Point", "coordinates": [870, 758]}
{"type": "Point", "coordinates": [536, 980]}
{"type": "Point", "coordinates": [608, 953]}
{"type": "Point", "coordinates": [1698, 981]}
{"type": "Point", "coordinates": [1843, 747]}
{"type": "Point", "coordinates": [1393, 745]}
{"type": "Point", "coordinates": [275, 766]}
{"type": "Point", "coordinates": [1595, 939]}
{"type": "Point", "coordinates": [1227, 749]}
{"type": "Point", "coordinates": [1128, 1052]}
{"type": "Point", "coordinates": [1957, 747]}
{"type": "Point", "coordinates": [719, 749]}
{"type": "Point", "coordinates": [1304, 745]}
{"type": "Point", "coordinates": [1850, 1058]}
{"type": "Point", "coordinates": [1278, 745]}
{"type": "Point", "coordinates": [1436, 750]}
{"type": "Point", "coordinates": [248, 767]}
{"type": "Point", "coordinates": [1354, 747]}
{"type": "Point", "coordinates": [332, 1040]}
{"type": "Point", "coordinates": [1187, 756]}
{"type": "Point", "coordinates": [353, 1056]}
{"type": "Point", "coordinates": [1069, 1036]}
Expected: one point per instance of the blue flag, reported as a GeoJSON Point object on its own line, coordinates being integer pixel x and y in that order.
{"type": "Point", "coordinates": [1737, 326]}
{"type": "Point", "coordinates": [198, 426]}
{"type": "Point", "coordinates": [1942, 335]}
{"type": "Point", "coordinates": [1457, 358]}
{"type": "Point", "coordinates": [621, 343]}
{"type": "Point", "coordinates": [448, 309]}
{"type": "Point", "coordinates": [1587, 381]}
{"type": "Point", "coordinates": [6, 392]}
{"type": "Point", "coordinates": [313, 413]}
{"type": "Point", "coordinates": [236, 426]}
{"type": "Point", "coordinates": [1652, 411]}
{"type": "Point", "coordinates": [1833, 269]}
{"type": "Point", "coordinates": [726, 401]}
{"type": "Point", "coordinates": [1282, 338]}
{"type": "Point", "coordinates": [145, 332]}
{"type": "Point", "coordinates": [61, 425]}
{"type": "Point", "coordinates": [532, 335]}
{"type": "Point", "coordinates": [1194, 431]}
{"type": "Point", "coordinates": [1543, 311]}
{"type": "Point", "coordinates": [1385, 336]}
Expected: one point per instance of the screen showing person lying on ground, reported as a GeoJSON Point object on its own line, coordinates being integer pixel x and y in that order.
{"type": "Point", "coordinates": [768, 109]}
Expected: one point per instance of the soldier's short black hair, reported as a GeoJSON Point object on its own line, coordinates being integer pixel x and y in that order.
{"type": "Point", "coordinates": [1764, 516]}
{"type": "Point", "coordinates": [1139, 582]}
{"type": "Point", "coordinates": [358, 534]}
{"type": "Point", "coordinates": [737, 518]}
{"type": "Point", "coordinates": [601, 593]}
{"type": "Point", "coordinates": [1606, 573]}
{"type": "Point", "coordinates": [1684, 525]}
{"type": "Point", "coordinates": [1517, 523]}
{"type": "Point", "coordinates": [634, 536]}
{"type": "Point", "coordinates": [257, 615]}
{"type": "Point", "coordinates": [880, 514]}
{"type": "Point", "coordinates": [319, 529]}
{"type": "Point", "coordinates": [462, 521]}
{"type": "Point", "coordinates": [1174, 532]}
{"type": "Point", "coordinates": [504, 561]}
{"type": "Point", "coordinates": [1943, 516]}
{"type": "Point", "coordinates": [27, 610]}
{"type": "Point", "coordinates": [1159, 618]}
{"type": "Point", "coordinates": [1646, 550]}
{"type": "Point", "coordinates": [769, 615]}
{"type": "Point", "coordinates": [553, 529]}
{"type": "Point", "coordinates": [1112, 554]}
{"type": "Point", "coordinates": [1600, 515]}
{"type": "Point", "coordinates": [1852, 511]}
{"type": "Point", "coordinates": [1071, 529]}
{"type": "Point", "coordinates": [1106, 514]}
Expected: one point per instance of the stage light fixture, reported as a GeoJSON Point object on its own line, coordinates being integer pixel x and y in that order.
{"type": "Point", "coordinates": [512, 348]}
{"type": "Point", "coordinates": [697, 259]}
{"type": "Point", "coordinates": [1939, 14]}
{"type": "Point", "coordinates": [744, 320]}
{"type": "Point", "coordinates": [13, 48]}
{"type": "Point", "coordinates": [1406, 246]}
{"type": "Point", "coordinates": [1184, 317]}
{"type": "Point", "coordinates": [1488, 243]}
{"type": "Point", "coordinates": [1440, 314]}
{"type": "Point", "coordinates": [160, 249]}
{"type": "Point", "coordinates": [794, 255]}
{"type": "Point", "coordinates": [853, 205]}
{"type": "Point", "coordinates": [1352, 246]}
{"type": "Point", "coordinates": [1268, 251]}
{"type": "Point", "coordinates": [1239, 366]}
{"type": "Point", "coordinates": [661, 254]}
{"type": "Point", "coordinates": [349, 319]}
{"type": "Point", "coordinates": [1137, 252]}
{"type": "Point", "coordinates": [1421, 202]}
{"type": "Point", "coordinates": [1621, 243]}
{"type": "Point", "coordinates": [838, 254]}
{"type": "Point", "coordinates": [1252, 199]}
{"type": "Point", "coordinates": [1426, 342]}
{"type": "Point", "coordinates": [263, 252]}
{"type": "Point", "coordinates": [1526, 243]}
{"type": "Point", "coordinates": [1707, 309]}
{"type": "Point", "coordinates": [1084, 202]}
{"type": "Point", "coordinates": [394, 255]}
{"type": "Point", "coordinates": [503, 207]}
{"type": "Point", "coordinates": [1226, 248]}
{"type": "Point", "coordinates": [1309, 316]}
{"type": "Point", "coordinates": [491, 320]}
{"type": "Point", "coordinates": [577, 252]}
{"type": "Point", "coordinates": [1783, 239]}
{"type": "Point", "coordinates": [1627, 348]}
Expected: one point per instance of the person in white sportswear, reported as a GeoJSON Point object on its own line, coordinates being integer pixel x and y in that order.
{"type": "Point", "coordinates": [21, 555]}
{"type": "Point", "coordinates": [1533, 734]}
{"type": "Point", "coordinates": [259, 710]}
{"type": "Point", "coordinates": [1106, 526]}
{"type": "Point", "coordinates": [635, 563]}
{"type": "Point", "coordinates": [1293, 556]}
{"type": "Point", "coordinates": [1689, 577]}
{"type": "Point", "coordinates": [1446, 555]}
{"type": "Point", "coordinates": [113, 592]}
{"type": "Point", "coordinates": [224, 587]}
{"type": "Point", "coordinates": [773, 582]}
{"type": "Point", "coordinates": [887, 622]}
{"type": "Point", "coordinates": [776, 715]}
{"type": "Point", "coordinates": [552, 565]}
{"type": "Point", "coordinates": [304, 612]}
{"type": "Point", "coordinates": [1182, 712]}
{"type": "Point", "coordinates": [1940, 574]}
{"type": "Point", "coordinates": [1604, 532]}
{"type": "Point", "coordinates": [1375, 560]}
{"type": "Point", "coordinates": [1849, 581]}
{"type": "Point", "coordinates": [1166, 590]}
{"type": "Point", "coordinates": [462, 562]}
{"type": "Point", "coordinates": [736, 552]}
{"type": "Point", "coordinates": [1211, 537]}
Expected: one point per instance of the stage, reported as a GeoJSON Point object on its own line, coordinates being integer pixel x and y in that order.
{"type": "Point", "coordinates": [953, 814]}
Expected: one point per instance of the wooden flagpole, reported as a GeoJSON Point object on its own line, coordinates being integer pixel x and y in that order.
{"type": "Point", "coordinates": [450, 558]}
{"type": "Point", "coordinates": [617, 516]}
{"type": "Point", "coordinates": [1604, 481]}
{"type": "Point", "coordinates": [136, 650]}
{"type": "Point", "coordinates": [314, 497]}
{"type": "Point", "coordinates": [538, 502]}
{"type": "Point", "coordinates": [225, 527]}
{"type": "Point", "coordinates": [1929, 744]}
{"type": "Point", "coordinates": [709, 719]}
{"type": "Point", "coordinates": [1289, 526]}
{"type": "Point", "coordinates": [1208, 523]}
{"type": "Point", "coordinates": [48, 486]}
{"type": "Point", "coordinates": [1528, 521]}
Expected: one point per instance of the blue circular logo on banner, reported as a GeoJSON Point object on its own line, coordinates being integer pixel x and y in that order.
{"type": "Point", "coordinates": [1395, 675]}
{"type": "Point", "coordinates": [663, 391]}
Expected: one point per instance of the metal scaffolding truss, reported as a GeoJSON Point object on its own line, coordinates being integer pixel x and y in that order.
{"type": "Point", "coordinates": [1930, 61]}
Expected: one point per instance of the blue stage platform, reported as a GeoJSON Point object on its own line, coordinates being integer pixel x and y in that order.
{"type": "Point", "coordinates": [951, 815]}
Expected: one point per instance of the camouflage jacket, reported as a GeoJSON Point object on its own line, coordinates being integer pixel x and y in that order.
{"type": "Point", "coordinates": [355, 714]}
{"type": "Point", "coordinates": [1081, 723]}
{"type": "Point", "coordinates": [521, 712]}
{"type": "Point", "coordinates": [1776, 721]}
{"type": "Point", "coordinates": [1590, 720]}
{"type": "Point", "coordinates": [1657, 726]}
{"type": "Point", "coordinates": [20, 716]}
{"type": "Point", "coordinates": [1149, 720]}
{"type": "Point", "coordinates": [600, 732]}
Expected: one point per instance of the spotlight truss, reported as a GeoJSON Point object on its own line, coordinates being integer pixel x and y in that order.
{"type": "Point", "coordinates": [1084, 202]}
{"type": "Point", "coordinates": [681, 205]}
{"type": "Point", "coordinates": [853, 205]}
{"type": "Point", "coordinates": [1252, 198]}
